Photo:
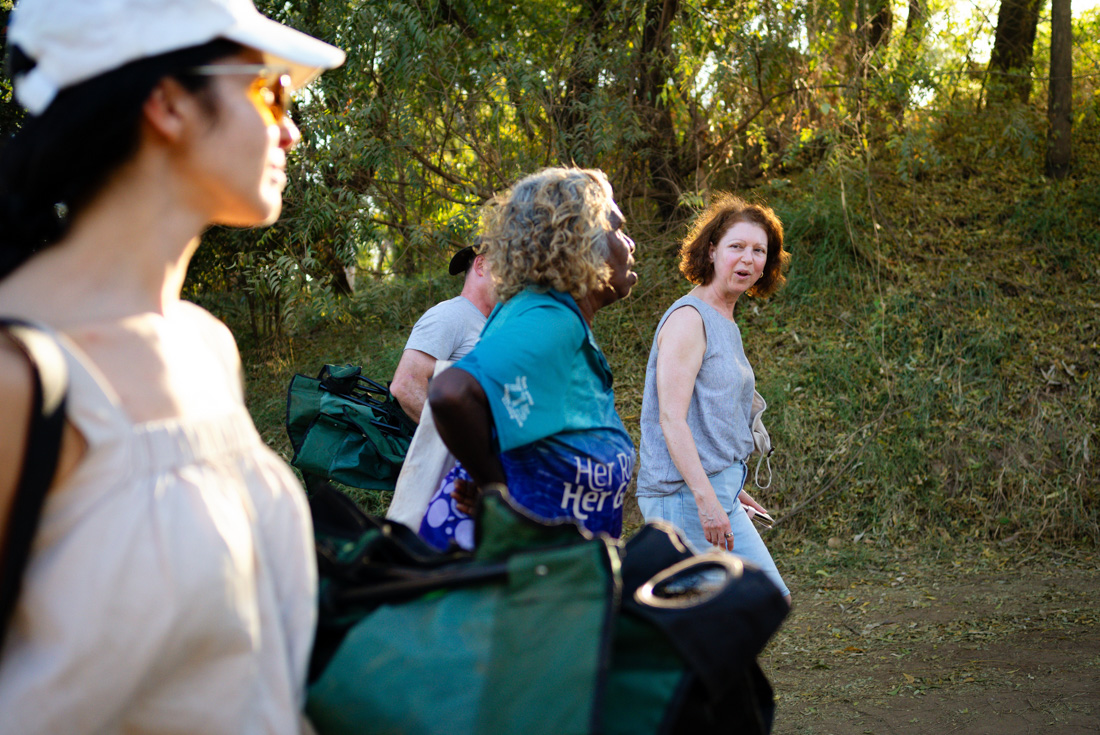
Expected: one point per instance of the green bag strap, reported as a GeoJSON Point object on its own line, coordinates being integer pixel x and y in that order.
{"type": "Point", "coordinates": [47, 421]}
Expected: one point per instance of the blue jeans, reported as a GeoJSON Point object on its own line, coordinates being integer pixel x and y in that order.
{"type": "Point", "coordinates": [679, 509]}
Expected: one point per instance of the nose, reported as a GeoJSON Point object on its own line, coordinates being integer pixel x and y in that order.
{"type": "Point", "coordinates": [629, 243]}
{"type": "Point", "coordinates": [289, 135]}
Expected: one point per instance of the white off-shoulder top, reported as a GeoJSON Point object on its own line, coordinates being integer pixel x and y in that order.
{"type": "Point", "coordinates": [171, 586]}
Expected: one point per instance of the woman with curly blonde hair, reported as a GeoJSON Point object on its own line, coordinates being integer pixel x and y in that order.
{"type": "Point", "coordinates": [698, 408]}
{"type": "Point", "coordinates": [532, 405]}
{"type": "Point", "coordinates": [550, 231]}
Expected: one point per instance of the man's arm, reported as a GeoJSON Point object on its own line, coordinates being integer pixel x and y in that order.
{"type": "Point", "coordinates": [410, 381]}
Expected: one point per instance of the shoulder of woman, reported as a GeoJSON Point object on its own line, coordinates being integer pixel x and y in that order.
{"type": "Point", "coordinates": [550, 314]}
{"type": "Point", "coordinates": [210, 326]}
{"type": "Point", "coordinates": [684, 324]}
{"type": "Point", "coordinates": [200, 316]}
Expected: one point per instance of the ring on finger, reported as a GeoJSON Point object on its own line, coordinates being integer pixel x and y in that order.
{"type": "Point", "coordinates": [729, 535]}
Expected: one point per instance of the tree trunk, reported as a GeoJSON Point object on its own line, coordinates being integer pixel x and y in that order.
{"type": "Point", "coordinates": [657, 66]}
{"type": "Point", "coordinates": [570, 113]}
{"type": "Point", "coordinates": [1060, 108]}
{"type": "Point", "coordinates": [1010, 62]}
{"type": "Point", "coordinates": [334, 272]}
{"type": "Point", "coordinates": [882, 20]}
{"type": "Point", "coordinates": [916, 27]}
{"type": "Point", "coordinates": [914, 21]}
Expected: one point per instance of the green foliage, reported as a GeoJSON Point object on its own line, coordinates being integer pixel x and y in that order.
{"type": "Point", "coordinates": [958, 393]}
{"type": "Point", "coordinates": [443, 103]}
{"type": "Point", "coordinates": [11, 114]}
{"type": "Point", "coordinates": [913, 366]}
{"type": "Point", "coordinates": [931, 365]}
{"type": "Point", "coordinates": [941, 382]}
{"type": "Point", "coordinates": [817, 235]}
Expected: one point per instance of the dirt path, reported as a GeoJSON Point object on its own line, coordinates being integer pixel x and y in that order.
{"type": "Point", "coordinates": [997, 641]}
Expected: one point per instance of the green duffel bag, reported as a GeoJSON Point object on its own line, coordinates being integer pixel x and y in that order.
{"type": "Point", "coordinates": [542, 629]}
{"type": "Point", "coordinates": [347, 428]}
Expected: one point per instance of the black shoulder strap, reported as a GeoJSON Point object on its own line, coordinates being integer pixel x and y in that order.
{"type": "Point", "coordinates": [47, 420]}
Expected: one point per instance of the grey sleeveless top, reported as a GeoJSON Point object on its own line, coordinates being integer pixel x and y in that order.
{"type": "Point", "coordinates": [719, 414]}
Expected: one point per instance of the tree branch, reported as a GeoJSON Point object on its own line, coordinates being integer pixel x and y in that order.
{"type": "Point", "coordinates": [447, 176]}
{"type": "Point", "coordinates": [744, 124]}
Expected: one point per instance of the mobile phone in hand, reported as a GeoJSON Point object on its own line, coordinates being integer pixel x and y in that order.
{"type": "Point", "coordinates": [763, 520]}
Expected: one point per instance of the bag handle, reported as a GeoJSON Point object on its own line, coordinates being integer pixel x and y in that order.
{"type": "Point", "coordinates": [47, 421]}
{"type": "Point", "coordinates": [761, 440]}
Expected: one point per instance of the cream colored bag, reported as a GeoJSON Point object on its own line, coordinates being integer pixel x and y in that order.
{"type": "Point", "coordinates": [427, 461]}
{"type": "Point", "coordinates": [761, 441]}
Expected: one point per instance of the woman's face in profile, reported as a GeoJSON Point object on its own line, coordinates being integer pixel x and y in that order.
{"type": "Point", "coordinates": [620, 257]}
{"type": "Point", "coordinates": [238, 164]}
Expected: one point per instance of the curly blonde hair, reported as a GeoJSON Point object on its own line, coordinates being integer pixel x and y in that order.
{"type": "Point", "coordinates": [549, 230]}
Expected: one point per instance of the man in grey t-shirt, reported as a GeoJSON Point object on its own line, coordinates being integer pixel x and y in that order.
{"type": "Point", "coordinates": [447, 331]}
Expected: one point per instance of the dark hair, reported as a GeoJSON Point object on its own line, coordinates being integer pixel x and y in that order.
{"type": "Point", "coordinates": [58, 160]}
{"type": "Point", "coordinates": [723, 212]}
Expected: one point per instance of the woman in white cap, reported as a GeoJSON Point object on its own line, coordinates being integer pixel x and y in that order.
{"type": "Point", "coordinates": [171, 585]}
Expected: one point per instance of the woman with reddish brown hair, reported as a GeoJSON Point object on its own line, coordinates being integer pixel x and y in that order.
{"type": "Point", "coordinates": [697, 409]}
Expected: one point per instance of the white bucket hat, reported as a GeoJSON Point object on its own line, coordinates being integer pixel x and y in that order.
{"type": "Point", "coordinates": [71, 41]}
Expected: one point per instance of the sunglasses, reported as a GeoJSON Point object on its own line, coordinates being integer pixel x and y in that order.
{"type": "Point", "coordinates": [270, 90]}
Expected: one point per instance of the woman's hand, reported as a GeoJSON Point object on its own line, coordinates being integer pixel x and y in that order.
{"type": "Point", "coordinates": [465, 424]}
{"type": "Point", "coordinates": [465, 495]}
{"type": "Point", "coordinates": [716, 524]}
{"type": "Point", "coordinates": [747, 500]}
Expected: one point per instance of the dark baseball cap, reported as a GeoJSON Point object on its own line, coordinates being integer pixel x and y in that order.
{"type": "Point", "coordinates": [461, 260]}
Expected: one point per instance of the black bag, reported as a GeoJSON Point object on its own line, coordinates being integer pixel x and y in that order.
{"type": "Point", "coordinates": [347, 428]}
{"type": "Point", "coordinates": [47, 422]}
{"type": "Point", "coordinates": [543, 628]}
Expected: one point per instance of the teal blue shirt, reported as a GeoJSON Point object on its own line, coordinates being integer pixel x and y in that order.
{"type": "Point", "coordinates": [565, 451]}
